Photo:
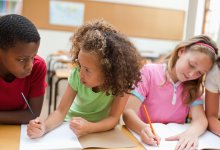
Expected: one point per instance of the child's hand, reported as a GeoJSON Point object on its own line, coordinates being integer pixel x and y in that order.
{"type": "Point", "coordinates": [79, 126]}
{"type": "Point", "coordinates": [148, 137]}
{"type": "Point", "coordinates": [35, 128]}
{"type": "Point", "coordinates": [187, 141]}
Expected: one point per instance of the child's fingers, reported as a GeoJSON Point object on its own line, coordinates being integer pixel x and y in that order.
{"type": "Point", "coordinates": [75, 125]}
{"type": "Point", "coordinates": [37, 120]}
{"type": "Point", "coordinates": [148, 137]}
{"type": "Point", "coordinates": [186, 144]}
{"type": "Point", "coordinates": [195, 144]}
{"type": "Point", "coordinates": [34, 132]}
{"type": "Point", "coordinates": [172, 138]}
{"type": "Point", "coordinates": [75, 130]}
{"type": "Point", "coordinates": [35, 128]}
{"type": "Point", "coordinates": [158, 139]}
{"type": "Point", "coordinates": [35, 124]}
{"type": "Point", "coordinates": [75, 122]}
{"type": "Point", "coordinates": [181, 144]}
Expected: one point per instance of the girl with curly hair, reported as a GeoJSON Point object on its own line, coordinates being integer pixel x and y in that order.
{"type": "Point", "coordinates": [98, 89]}
{"type": "Point", "coordinates": [170, 90]}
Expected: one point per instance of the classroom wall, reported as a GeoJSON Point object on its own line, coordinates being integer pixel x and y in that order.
{"type": "Point", "coordinates": [52, 41]}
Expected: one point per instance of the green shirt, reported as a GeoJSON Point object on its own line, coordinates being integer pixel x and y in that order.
{"type": "Point", "coordinates": [87, 104]}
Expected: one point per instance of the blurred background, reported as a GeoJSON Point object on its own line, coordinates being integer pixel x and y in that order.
{"type": "Point", "coordinates": [153, 26]}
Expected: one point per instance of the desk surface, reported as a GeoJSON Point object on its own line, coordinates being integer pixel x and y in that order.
{"type": "Point", "coordinates": [10, 138]}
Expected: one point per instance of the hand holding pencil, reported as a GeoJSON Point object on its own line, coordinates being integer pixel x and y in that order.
{"type": "Point", "coordinates": [36, 128]}
{"type": "Point", "coordinates": [146, 130]}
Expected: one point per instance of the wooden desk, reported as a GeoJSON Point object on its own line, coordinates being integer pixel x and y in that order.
{"type": "Point", "coordinates": [10, 138]}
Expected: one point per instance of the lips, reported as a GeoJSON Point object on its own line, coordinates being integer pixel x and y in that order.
{"type": "Point", "coordinates": [25, 74]}
{"type": "Point", "coordinates": [28, 73]}
{"type": "Point", "coordinates": [185, 76]}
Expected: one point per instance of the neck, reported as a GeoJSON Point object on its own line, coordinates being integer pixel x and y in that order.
{"type": "Point", "coordinates": [172, 75]}
{"type": "Point", "coordinates": [8, 77]}
{"type": "Point", "coordinates": [95, 89]}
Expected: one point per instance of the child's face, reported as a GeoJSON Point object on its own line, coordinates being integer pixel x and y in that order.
{"type": "Point", "coordinates": [192, 65]}
{"type": "Point", "coordinates": [90, 70]}
{"type": "Point", "coordinates": [18, 60]}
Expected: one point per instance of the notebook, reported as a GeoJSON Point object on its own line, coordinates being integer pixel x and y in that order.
{"type": "Point", "coordinates": [206, 141]}
{"type": "Point", "coordinates": [63, 138]}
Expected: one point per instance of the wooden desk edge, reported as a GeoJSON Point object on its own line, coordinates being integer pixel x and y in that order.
{"type": "Point", "coordinates": [10, 138]}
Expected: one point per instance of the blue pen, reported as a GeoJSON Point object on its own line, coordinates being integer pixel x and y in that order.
{"type": "Point", "coordinates": [28, 104]}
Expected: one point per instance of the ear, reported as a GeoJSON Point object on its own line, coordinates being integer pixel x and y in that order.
{"type": "Point", "coordinates": [181, 51]}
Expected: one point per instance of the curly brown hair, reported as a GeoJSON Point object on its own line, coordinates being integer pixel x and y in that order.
{"type": "Point", "coordinates": [194, 88]}
{"type": "Point", "coordinates": [119, 59]}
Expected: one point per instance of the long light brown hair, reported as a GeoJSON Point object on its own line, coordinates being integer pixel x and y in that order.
{"type": "Point", "coordinates": [193, 88]}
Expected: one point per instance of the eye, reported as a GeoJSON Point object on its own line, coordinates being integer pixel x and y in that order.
{"type": "Point", "coordinates": [86, 69]}
{"type": "Point", "coordinates": [191, 65]}
{"type": "Point", "coordinates": [21, 60]}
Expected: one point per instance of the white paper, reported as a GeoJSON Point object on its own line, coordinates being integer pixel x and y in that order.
{"type": "Point", "coordinates": [61, 137]}
{"type": "Point", "coordinates": [207, 140]}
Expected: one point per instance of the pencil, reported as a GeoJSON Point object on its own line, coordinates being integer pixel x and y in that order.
{"type": "Point", "coordinates": [25, 100]}
{"type": "Point", "coordinates": [149, 121]}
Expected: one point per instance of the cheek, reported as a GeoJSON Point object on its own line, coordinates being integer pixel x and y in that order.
{"type": "Point", "coordinates": [178, 66]}
{"type": "Point", "coordinates": [100, 78]}
{"type": "Point", "coordinates": [181, 64]}
{"type": "Point", "coordinates": [10, 65]}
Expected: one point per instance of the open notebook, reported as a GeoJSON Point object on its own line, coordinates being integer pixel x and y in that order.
{"type": "Point", "coordinates": [206, 141]}
{"type": "Point", "coordinates": [63, 138]}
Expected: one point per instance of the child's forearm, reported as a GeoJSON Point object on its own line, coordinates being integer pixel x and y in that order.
{"type": "Point", "coordinates": [198, 126]}
{"type": "Point", "coordinates": [16, 117]}
{"type": "Point", "coordinates": [54, 120]}
{"type": "Point", "coordinates": [132, 121]}
{"type": "Point", "coordinates": [214, 125]}
{"type": "Point", "coordinates": [103, 125]}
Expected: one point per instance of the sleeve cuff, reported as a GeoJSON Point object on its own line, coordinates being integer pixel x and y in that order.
{"type": "Point", "coordinates": [139, 96]}
{"type": "Point", "coordinates": [197, 102]}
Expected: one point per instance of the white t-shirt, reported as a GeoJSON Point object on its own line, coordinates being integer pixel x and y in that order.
{"type": "Point", "coordinates": [212, 82]}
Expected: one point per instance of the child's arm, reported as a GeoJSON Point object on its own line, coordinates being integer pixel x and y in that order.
{"type": "Point", "coordinates": [81, 127]}
{"type": "Point", "coordinates": [37, 129]}
{"type": "Point", "coordinates": [22, 116]}
{"type": "Point", "coordinates": [189, 138]}
{"type": "Point", "coordinates": [134, 123]}
{"type": "Point", "coordinates": [211, 109]}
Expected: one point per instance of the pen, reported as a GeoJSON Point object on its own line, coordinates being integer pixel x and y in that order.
{"type": "Point", "coordinates": [149, 121]}
{"type": "Point", "coordinates": [28, 104]}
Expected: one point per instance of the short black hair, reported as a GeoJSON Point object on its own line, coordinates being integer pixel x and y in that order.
{"type": "Point", "coordinates": [16, 28]}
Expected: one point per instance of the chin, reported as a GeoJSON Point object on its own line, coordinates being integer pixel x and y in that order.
{"type": "Point", "coordinates": [22, 76]}
{"type": "Point", "coordinates": [86, 85]}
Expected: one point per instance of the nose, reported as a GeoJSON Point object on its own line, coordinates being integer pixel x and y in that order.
{"type": "Point", "coordinates": [193, 73]}
{"type": "Point", "coordinates": [81, 74]}
{"type": "Point", "coordinates": [29, 65]}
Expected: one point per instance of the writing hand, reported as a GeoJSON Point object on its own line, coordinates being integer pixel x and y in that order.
{"type": "Point", "coordinates": [148, 137]}
{"type": "Point", "coordinates": [36, 128]}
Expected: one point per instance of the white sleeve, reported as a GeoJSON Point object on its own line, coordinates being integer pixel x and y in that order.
{"type": "Point", "coordinates": [212, 81]}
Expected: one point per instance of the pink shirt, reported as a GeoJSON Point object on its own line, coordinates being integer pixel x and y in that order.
{"type": "Point", "coordinates": [32, 86]}
{"type": "Point", "coordinates": [164, 102]}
